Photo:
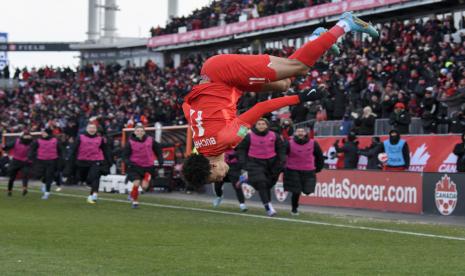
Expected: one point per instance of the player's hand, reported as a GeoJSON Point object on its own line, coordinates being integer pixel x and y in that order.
{"type": "Point", "coordinates": [311, 94]}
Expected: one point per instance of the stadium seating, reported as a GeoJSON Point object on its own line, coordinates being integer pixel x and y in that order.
{"type": "Point", "coordinates": [388, 69]}
{"type": "Point", "coordinates": [224, 12]}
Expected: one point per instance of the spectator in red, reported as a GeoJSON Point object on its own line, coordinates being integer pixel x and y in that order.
{"type": "Point", "coordinates": [400, 119]}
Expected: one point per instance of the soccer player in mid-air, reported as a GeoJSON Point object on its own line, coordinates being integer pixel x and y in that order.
{"type": "Point", "coordinates": [210, 108]}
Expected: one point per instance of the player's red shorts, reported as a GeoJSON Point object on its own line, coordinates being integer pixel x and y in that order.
{"type": "Point", "coordinates": [245, 72]}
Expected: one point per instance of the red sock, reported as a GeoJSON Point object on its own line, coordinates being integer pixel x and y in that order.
{"type": "Point", "coordinates": [135, 192]}
{"type": "Point", "coordinates": [313, 50]}
{"type": "Point", "coordinates": [337, 31]}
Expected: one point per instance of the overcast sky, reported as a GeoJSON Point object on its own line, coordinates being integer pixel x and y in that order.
{"type": "Point", "coordinates": [66, 20]}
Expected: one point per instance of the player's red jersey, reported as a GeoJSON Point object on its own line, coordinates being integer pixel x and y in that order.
{"type": "Point", "coordinates": [210, 109]}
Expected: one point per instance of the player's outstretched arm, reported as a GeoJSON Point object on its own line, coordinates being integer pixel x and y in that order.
{"type": "Point", "coordinates": [257, 111]}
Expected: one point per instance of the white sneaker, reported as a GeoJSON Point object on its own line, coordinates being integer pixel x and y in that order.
{"type": "Point", "coordinates": [58, 189]}
{"type": "Point", "coordinates": [271, 208]}
{"type": "Point", "coordinates": [90, 200]}
{"type": "Point", "coordinates": [295, 213]}
{"type": "Point", "coordinates": [271, 213]}
{"type": "Point", "coordinates": [217, 201]}
{"type": "Point", "coordinates": [243, 207]}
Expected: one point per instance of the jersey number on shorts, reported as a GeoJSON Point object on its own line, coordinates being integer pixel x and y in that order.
{"type": "Point", "coordinates": [198, 123]}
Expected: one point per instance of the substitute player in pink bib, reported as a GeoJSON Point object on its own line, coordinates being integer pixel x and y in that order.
{"type": "Point", "coordinates": [91, 158]}
{"type": "Point", "coordinates": [45, 153]}
{"type": "Point", "coordinates": [139, 156]}
{"type": "Point", "coordinates": [262, 154]}
{"type": "Point", "coordinates": [304, 160]}
{"type": "Point", "coordinates": [21, 162]}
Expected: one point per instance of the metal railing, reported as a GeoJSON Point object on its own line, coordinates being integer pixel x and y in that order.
{"type": "Point", "coordinates": [382, 127]}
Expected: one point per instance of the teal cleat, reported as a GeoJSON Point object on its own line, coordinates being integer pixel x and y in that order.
{"type": "Point", "coordinates": [358, 25]}
{"type": "Point", "coordinates": [319, 31]}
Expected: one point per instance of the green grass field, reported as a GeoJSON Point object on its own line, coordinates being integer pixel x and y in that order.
{"type": "Point", "coordinates": [66, 236]}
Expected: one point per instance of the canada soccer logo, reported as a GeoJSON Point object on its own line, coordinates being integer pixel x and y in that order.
{"type": "Point", "coordinates": [445, 195]}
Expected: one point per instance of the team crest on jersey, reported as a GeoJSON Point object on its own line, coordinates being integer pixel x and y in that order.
{"type": "Point", "coordinates": [279, 192]}
{"type": "Point", "coordinates": [248, 190]}
{"type": "Point", "coordinates": [242, 131]}
{"type": "Point", "coordinates": [445, 195]}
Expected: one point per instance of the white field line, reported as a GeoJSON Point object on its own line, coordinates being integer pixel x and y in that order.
{"type": "Point", "coordinates": [335, 225]}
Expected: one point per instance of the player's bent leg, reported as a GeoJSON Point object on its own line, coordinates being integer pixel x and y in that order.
{"type": "Point", "coordinates": [245, 72]}
{"type": "Point", "coordinates": [286, 68]}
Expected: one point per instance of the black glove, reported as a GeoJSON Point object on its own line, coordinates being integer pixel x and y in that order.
{"type": "Point", "coordinates": [310, 95]}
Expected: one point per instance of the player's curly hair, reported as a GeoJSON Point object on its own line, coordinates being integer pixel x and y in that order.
{"type": "Point", "coordinates": [196, 170]}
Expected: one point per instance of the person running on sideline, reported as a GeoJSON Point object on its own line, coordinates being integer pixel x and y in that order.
{"type": "Point", "coordinates": [304, 160]}
{"type": "Point", "coordinates": [139, 157]}
{"type": "Point", "coordinates": [262, 154]}
{"type": "Point", "coordinates": [91, 157]}
{"type": "Point", "coordinates": [21, 162]}
{"type": "Point", "coordinates": [210, 108]}
{"type": "Point", "coordinates": [45, 153]}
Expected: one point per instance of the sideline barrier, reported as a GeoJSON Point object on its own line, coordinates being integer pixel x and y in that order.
{"type": "Point", "coordinates": [428, 153]}
{"type": "Point", "coordinates": [444, 194]}
{"type": "Point", "coordinates": [403, 192]}
{"type": "Point", "coordinates": [114, 183]}
{"type": "Point", "coordinates": [385, 191]}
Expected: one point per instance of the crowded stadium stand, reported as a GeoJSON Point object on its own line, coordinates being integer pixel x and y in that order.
{"type": "Point", "coordinates": [417, 64]}
{"type": "Point", "coordinates": [249, 137]}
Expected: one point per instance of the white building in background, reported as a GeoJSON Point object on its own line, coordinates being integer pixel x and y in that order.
{"type": "Point", "coordinates": [3, 54]}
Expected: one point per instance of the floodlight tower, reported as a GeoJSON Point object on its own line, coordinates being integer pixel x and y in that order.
{"type": "Point", "coordinates": [172, 9]}
{"type": "Point", "coordinates": [109, 28]}
{"type": "Point", "coordinates": [93, 21]}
